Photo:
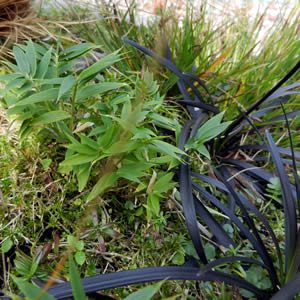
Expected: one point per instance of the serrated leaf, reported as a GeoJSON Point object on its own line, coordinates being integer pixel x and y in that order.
{"type": "Point", "coordinates": [50, 117]}
{"type": "Point", "coordinates": [100, 65]}
{"type": "Point", "coordinates": [77, 287]}
{"type": "Point", "coordinates": [39, 97]}
{"type": "Point", "coordinates": [67, 83]}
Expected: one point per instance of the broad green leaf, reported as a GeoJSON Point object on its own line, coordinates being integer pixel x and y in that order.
{"type": "Point", "coordinates": [210, 251]}
{"type": "Point", "coordinates": [153, 204]}
{"type": "Point", "coordinates": [88, 141]}
{"type": "Point", "coordinates": [39, 97]}
{"type": "Point", "coordinates": [164, 183]}
{"type": "Point", "coordinates": [203, 150]}
{"type": "Point", "coordinates": [50, 117]}
{"type": "Point", "coordinates": [212, 128]}
{"type": "Point", "coordinates": [163, 121]}
{"type": "Point", "coordinates": [80, 257]}
{"type": "Point", "coordinates": [21, 60]}
{"type": "Point", "coordinates": [31, 57]}
{"type": "Point", "coordinates": [13, 67]}
{"type": "Point", "coordinates": [133, 171]}
{"type": "Point", "coordinates": [83, 176]}
{"type": "Point", "coordinates": [31, 291]}
{"type": "Point", "coordinates": [16, 83]}
{"type": "Point", "coordinates": [104, 182]}
{"type": "Point", "coordinates": [53, 81]}
{"type": "Point", "coordinates": [67, 83]}
{"type": "Point", "coordinates": [145, 293]}
{"type": "Point", "coordinates": [44, 64]}
{"type": "Point", "coordinates": [109, 136]}
{"type": "Point", "coordinates": [76, 51]}
{"type": "Point", "coordinates": [78, 159]}
{"type": "Point", "coordinates": [96, 89]}
{"type": "Point", "coordinates": [100, 65]}
{"type": "Point", "coordinates": [9, 77]}
{"type": "Point", "coordinates": [82, 149]}
{"type": "Point", "coordinates": [6, 245]}
{"type": "Point", "coordinates": [76, 284]}
{"type": "Point", "coordinates": [167, 148]}
{"type": "Point", "coordinates": [142, 133]}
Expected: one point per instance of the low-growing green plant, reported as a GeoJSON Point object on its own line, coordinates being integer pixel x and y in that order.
{"type": "Point", "coordinates": [113, 132]}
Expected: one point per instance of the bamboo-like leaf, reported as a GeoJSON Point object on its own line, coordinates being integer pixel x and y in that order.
{"type": "Point", "coordinates": [96, 89]}
{"type": "Point", "coordinates": [102, 64]}
{"type": "Point", "coordinates": [104, 182]}
{"type": "Point", "coordinates": [43, 66]}
{"type": "Point", "coordinates": [67, 84]}
{"type": "Point", "coordinates": [78, 159]}
{"type": "Point", "coordinates": [31, 57]}
{"type": "Point", "coordinates": [39, 97]}
{"type": "Point", "coordinates": [50, 117]}
{"type": "Point", "coordinates": [21, 60]}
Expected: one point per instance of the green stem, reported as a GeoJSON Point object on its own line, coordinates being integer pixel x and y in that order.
{"type": "Point", "coordinates": [73, 106]}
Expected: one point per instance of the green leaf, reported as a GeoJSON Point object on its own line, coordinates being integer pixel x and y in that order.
{"type": "Point", "coordinates": [164, 183]}
{"type": "Point", "coordinates": [6, 245]}
{"type": "Point", "coordinates": [82, 149]}
{"type": "Point", "coordinates": [31, 291]}
{"type": "Point", "coordinates": [210, 251]}
{"type": "Point", "coordinates": [76, 284]}
{"type": "Point", "coordinates": [167, 148]}
{"type": "Point", "coordinates": [21, 60]}
{"type": "Point", "coordinates": [31, 57]}
{"type": "Point", "coordinates": [44, 64]}
{"type": "Point", "coordinates": [80, 257]}
{"type": "Point", "coordinates": [9, 77]}
{"type": "Point", "coordinates": [100, 65]}
{"type": "Point", "coordinates": [203, 150]}
{"type": "Point", "coordinates": [145, 293]}
{"type": "Point", "coordinates": [133, 171]}
{"type": "Point", "coordinates": [153, 204]}
{"type": "Point", "coordinates": [67, 83]}
{"type": "Point", "coordinates": [46, 163]}
{"type": "Point", "coordinates": [78, 159]}
{"type": "Point", "coordinates": [83, 176]}
{"type": "Point", "coordinates": [212, 128]}
{"type": "Point", "coordinates": [39, 97]}
{"type": "Point", "coordinates": [178, 259]}
{"type": "Point", "coordinates": [50, 117]}
{"type": "Point", "coordinates": [96, 89]}
{"type": "Point", "coordinates": [76, 51]}
{"type": "Point", "coordinates": [104, 182]}
{"type": "Point", "coordinates": [89, 142]}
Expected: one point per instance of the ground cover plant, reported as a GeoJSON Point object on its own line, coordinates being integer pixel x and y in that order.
{"type": "Point", "coordinates": [130, 135]}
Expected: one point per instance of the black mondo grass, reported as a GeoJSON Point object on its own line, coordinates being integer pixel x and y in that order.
{"type": "Point", "coordinates": [231, 176]}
